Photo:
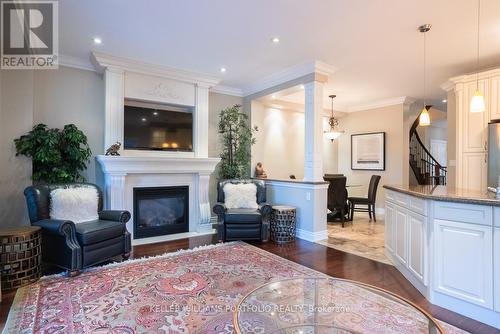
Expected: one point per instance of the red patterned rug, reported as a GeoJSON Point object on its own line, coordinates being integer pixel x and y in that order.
{"type": "Point", "coordinates": [185, 292]}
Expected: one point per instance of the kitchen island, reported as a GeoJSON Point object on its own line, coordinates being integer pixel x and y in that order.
{"type": "Point", "coordinates": [446, 242]}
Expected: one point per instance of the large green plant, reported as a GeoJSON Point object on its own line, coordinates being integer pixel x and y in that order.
{"type": "Point", "coordinates": [237, 138]}
{"type": "Point", "coordinates": [58, 156]}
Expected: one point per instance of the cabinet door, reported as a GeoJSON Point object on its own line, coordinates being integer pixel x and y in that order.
{"type": "Point", "coordinates": [464, 261]}
{"type": "Point", "coordinates": [475, 171]}
{"type": "Point", "coordinates": [495, 98]}
{"type": "Point", "coordinates": [496, 267]}
{"type": "Point", "coordinates": [475, 124]}
{"type": "Point", "coordinates": [417, 249]}
{"type": "Point", "coordinates": [389, 225]}
{"type": "Point", "coordinates": [400, 234]}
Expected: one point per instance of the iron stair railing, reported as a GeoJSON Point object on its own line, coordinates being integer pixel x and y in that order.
{"type": "Point", "coordinates": [426, 168]}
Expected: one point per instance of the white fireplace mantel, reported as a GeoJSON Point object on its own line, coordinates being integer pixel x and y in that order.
{"type": "Point", "coordinates": [154, 165]}
{"type": "Point", "coordinates": [124, 173]}
{"type": "Point", "coordinates": [134, 80]}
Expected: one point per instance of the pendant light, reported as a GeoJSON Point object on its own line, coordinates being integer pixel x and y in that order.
{"type": "Point", "coordinates": [477, 101]}
{"type": "Point", "coordinates": [425, 118]}
{"type": "Point", "coordinates": [334, 131]}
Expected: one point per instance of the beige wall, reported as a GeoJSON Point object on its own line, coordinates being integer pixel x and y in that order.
{"type": "Point", "coordinates": [16, 118]}
{"type": "Point", "coordinates": [280, 142]}
{"type": "Point", "coordinates": [69, 95]}
{"type": "Point", "coordinates": [56, 98]}
{"type": "Point", "coordinates": [389, 120]}
{"type": "Point", "coordinates": [216, 103]}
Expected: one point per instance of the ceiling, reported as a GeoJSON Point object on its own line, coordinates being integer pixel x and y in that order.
{"type": "Point", "coordinates": [374, 45]}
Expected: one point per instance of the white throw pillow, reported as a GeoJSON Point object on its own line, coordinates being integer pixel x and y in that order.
{"type": "Point", "coordinates": [76, 204]}
{"type": "Point", "coordinates": [240, 196]}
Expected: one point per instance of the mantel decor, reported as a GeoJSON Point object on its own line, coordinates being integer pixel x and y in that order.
{"type": "Point", "coordinates": [368, 151]}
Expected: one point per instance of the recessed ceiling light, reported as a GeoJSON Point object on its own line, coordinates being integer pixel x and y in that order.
{"type": "Point", "coordinates": [223, 70]}
{"type": "Point", "coordinates": [144, 120]}
{"type": "Point", "coordinates": [97, 40]}
{"type": "Point", "coordinates": [275, 40]}
{"type": "Point", "coordinates": [155, 113]}
{"type": "Point", "coordinates": [445, 100]}
{"type": "Point", "coordinates": [302, 86]}
{"type": "Point", "coordinates": [273, 96]}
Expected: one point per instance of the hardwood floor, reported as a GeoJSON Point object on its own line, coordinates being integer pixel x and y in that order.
{"type": "Point", "coordinates": [327, 260]}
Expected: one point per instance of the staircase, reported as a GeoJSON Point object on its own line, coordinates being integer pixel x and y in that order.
{"type": "Point", "coordinates": [426, 169]}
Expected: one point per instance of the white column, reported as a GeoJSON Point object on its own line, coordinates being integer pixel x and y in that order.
{"type": "Point", "coordinates": [201, 122]}
{"type": "Point", "coordinates": [115, 191]}
{"type": "Point", "coordinates": [114, 104]}
{"type": "Point", "coordinates": [204, 203]}
{"type": "Point", "coordinates": [313, 161]}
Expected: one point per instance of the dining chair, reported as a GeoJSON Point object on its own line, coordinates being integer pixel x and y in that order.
{"type": "Point", "coordinates": [369, 201]}
{"type": "Point", "coordinates": [337, 197]}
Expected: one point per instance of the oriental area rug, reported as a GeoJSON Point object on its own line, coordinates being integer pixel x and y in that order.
{"type": "Point", "coordinates": [193, 291]}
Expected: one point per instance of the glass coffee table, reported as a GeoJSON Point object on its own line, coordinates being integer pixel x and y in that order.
{"type": "Point", "coordinates": [328, 305]}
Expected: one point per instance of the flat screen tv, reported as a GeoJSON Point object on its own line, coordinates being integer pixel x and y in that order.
{"type": "Point", "coordinates": [158, 127]}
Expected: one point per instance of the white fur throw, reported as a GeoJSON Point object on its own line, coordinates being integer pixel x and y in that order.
{"type": "Point", "coordinates": [240, 196]}
{"type": "Point", "coordinates": [76, 204]}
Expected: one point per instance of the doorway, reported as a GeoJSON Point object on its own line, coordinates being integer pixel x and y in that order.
{"type": "Point", "coordinates": [439, 150]}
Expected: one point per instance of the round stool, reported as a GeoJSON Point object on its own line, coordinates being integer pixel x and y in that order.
{"type": "Point", "coordinates": [283, 221]}
{"type": "Point", "coordinates": [20, 256]}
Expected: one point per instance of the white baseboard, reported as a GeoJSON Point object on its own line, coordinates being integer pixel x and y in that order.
{"type": "Point", "coordinates": [312, 236]}
{"type": "Point", "coordinates": [380, 211]}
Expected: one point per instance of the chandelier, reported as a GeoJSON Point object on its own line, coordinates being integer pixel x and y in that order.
{"type": "Point", "coordinates": [334, 131]}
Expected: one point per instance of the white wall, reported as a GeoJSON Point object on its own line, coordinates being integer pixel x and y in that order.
{"type": "Point", "coordinates": [280, 143]}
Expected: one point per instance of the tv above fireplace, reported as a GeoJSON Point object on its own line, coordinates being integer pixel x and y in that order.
{"type": "Point", "coordinates": [157, 127]}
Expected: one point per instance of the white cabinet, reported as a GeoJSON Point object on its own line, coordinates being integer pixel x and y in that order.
{"type": "Point", "coordinates": [417, 242]}
{"type": "Point", "coordinates": [389, 227]}
{"type": "Point", "coordinates": [474, 136]}
{"type": "Point", "coordinates": [463, 261]}
{"type": "Point", "coordinates": [475, 171]}
{"type": "Point", "coordinates": [496, 267]}
{"type": "Point", "coordinates": [495, 98]}
{"type": "Point", "coordinates": [406, 235]}
{"type": "Point", "coordinates": [400, 235]}
{"type": "Point", "coordinates": [471, 129]}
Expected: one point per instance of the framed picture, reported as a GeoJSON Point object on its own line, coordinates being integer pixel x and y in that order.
{"type": "Point", "coordinates": [368, 151]}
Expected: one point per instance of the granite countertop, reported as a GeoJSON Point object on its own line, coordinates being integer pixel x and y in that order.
{"type": "Point", "coordinates": [290, 180]}
{"type": "Point", "coordinates": [449, 194]}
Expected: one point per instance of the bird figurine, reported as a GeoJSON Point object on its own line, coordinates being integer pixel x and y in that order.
{"type": "Point", "coordinates": [114, 149]}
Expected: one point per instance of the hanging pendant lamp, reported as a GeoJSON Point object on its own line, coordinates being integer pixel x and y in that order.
{"type": "Point", "coordinates": [425, 118]}
{"type": "Point", "coordinates": [477, 102]}
{"type": "Point", "coordinates": [334, 131]}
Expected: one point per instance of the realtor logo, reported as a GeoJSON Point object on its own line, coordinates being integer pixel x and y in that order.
{"type": "Point", "coordinates": [29, 32]}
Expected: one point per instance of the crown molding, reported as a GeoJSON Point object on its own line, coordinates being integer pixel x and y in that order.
{"type": "Point", "coordinates": [289, 74]}
{"type": "Point", "coordinates": [470, 77]}
{"type": "Point", "coordinates": [382, 103]}
{"type": "Point", "coordinates": [74, 62]}
{"type": "Point", "coordinates": [227, 90]}
{"type": "Point", "coordinates": [103, 61]}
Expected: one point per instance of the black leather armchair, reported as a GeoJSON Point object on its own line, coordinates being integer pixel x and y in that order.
{"type": "Point", "coordinates": [243, 224]}
{"type": "Point", "coordinates": [76, 246]}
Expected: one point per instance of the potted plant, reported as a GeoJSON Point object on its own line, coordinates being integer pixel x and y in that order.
{"type": "Point", "coordinates": [58, 156]}
{"type": "Point", "coordinates": [237, 138]}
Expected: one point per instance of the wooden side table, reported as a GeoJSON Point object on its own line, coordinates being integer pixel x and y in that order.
{"type": "Point", "coordinates": [20, 256]}
{"type": "Point", "coordinates": [283, 223]}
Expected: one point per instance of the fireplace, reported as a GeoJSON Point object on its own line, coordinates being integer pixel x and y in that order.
{"type": "Point", "coordinates": [160, 210]}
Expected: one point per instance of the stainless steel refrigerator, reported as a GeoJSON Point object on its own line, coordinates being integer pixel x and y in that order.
{"type": "Point", "coordinates": [493, 153]}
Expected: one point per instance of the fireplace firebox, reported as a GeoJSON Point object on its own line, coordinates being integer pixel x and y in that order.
{"type": "Point", "coordinates": [160, 211]}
